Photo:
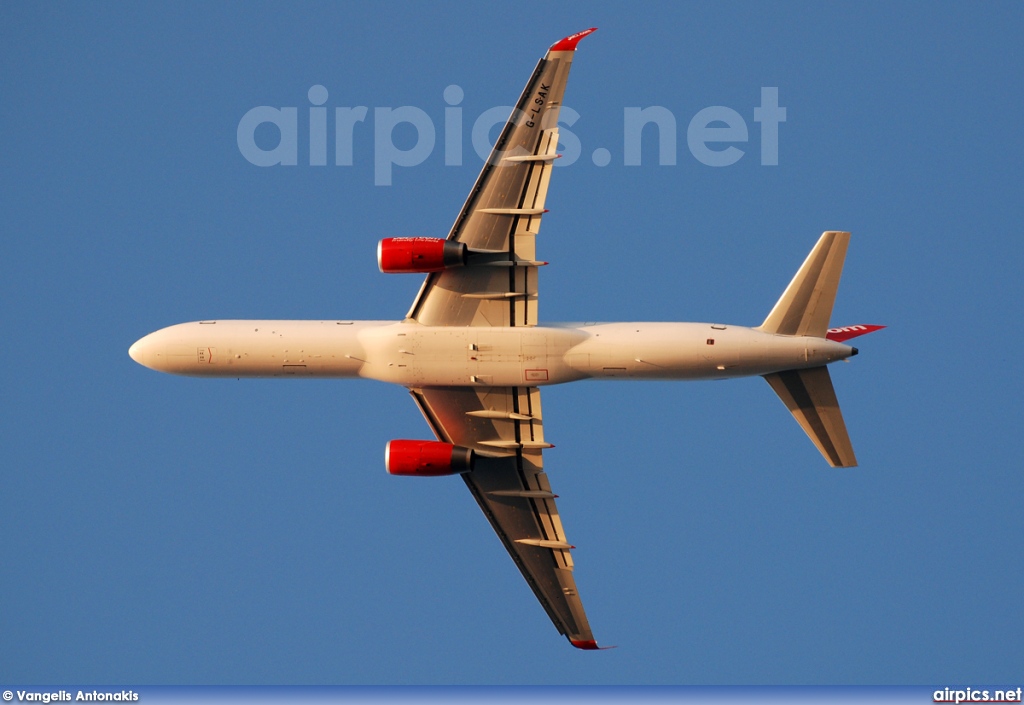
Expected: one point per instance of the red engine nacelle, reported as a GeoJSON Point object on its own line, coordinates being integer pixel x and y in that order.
{"type": "Point", "coordinates": [408, 255]}
{"type": "Point", "coordinates": [426, 458]}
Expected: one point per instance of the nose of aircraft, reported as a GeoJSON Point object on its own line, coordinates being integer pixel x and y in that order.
{"type": "Point", "coordinates": [165, 350]}
{"type": "Point", "coordinates": [138, 351]}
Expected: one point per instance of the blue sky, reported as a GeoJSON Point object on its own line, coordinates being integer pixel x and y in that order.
{"type": "Point", "coordinates": [170, 530]}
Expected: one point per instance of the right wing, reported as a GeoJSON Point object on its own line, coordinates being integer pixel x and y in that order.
{"type": "Point", "coordinates": [502, 215]}
{"type": "Point", "coordinates": [503, 426]}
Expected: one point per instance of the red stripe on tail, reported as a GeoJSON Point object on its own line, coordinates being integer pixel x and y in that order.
{"type": "Point", "coordinates": [847, 332]}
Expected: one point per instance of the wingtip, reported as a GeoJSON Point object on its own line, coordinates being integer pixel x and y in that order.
{"type": "Point", "coordinates": [569, 43]}
{"type": "Point", "coordinates": [588, 645]}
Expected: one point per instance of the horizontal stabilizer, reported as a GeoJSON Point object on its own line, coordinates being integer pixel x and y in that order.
{"type": "Point", "coordinates": [810, 397]}
{"type": "Point", "coordinates": [806, 304]}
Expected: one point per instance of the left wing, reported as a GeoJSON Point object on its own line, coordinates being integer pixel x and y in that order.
{"type": "Point", "coordinates": [503, 426]}
{"type": "Point", "coordinates": [501, 217]}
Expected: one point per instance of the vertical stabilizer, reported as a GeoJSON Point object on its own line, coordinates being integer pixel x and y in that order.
{"type": "Point", "coordinates": [810, 397]}
{"type": "Point", "coordinates": [806, 305]}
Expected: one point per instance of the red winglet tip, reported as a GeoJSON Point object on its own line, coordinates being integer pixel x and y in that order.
{"type": "Point", "coordinates": [570, 42]}
{"type": "Point", "coordinates": [589, 645]}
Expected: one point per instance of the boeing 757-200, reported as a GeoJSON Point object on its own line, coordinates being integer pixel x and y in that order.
{"type": "Point", "coordinates": [474, 356]}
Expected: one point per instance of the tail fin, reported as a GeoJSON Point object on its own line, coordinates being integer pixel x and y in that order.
{"type": "Point", "coordinates": [841, 335]}
{"type": "Point", "coordinates": [806, 304]}
{"type": "Point", "coordinates": [810, 397]}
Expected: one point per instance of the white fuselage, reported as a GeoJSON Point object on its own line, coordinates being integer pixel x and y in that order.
{"type": "Point", "coordinates": [414, 355]}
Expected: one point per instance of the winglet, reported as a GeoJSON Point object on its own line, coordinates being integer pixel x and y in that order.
{"type": "Point", "coordinates": [570, 42]}
{"type": "Point", "coordinates": [588, 645]}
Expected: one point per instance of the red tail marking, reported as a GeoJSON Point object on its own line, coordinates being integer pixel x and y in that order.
{"type": "Point", "coordinates": [847, 332]}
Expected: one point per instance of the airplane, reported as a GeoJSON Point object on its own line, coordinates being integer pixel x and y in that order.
{"type": "Point", "coordinates": [474, 356]}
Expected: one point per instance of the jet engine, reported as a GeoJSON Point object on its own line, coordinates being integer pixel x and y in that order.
{"type": "Point", "coordinates": [409, 255]}
{"type": "Point", "coordinates": [426, 458]}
